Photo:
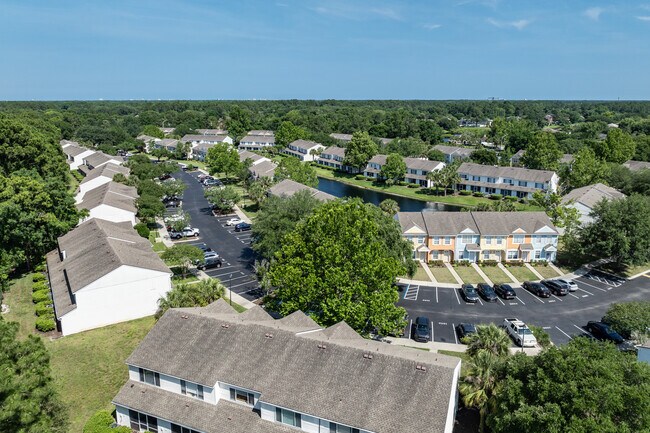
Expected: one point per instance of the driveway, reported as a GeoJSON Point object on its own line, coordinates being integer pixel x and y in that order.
{"type": "Point", "coordinates": [561, 316]}
{"type": "Point", "coordinates": [237, 272]}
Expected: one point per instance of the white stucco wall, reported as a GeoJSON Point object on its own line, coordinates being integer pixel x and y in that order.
{"type": "Point", "coordinates": [79, 159]}
{"type": "Point", "coordinates": [453, 402]}
{"type": "Point", "coordinates": [90, 185]}
{"type": "Point", "coordinates": [110, 213]}
{"type": "Point", "coordinates": [124, 294]}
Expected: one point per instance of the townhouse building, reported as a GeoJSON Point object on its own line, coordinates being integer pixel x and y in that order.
{"type": "Point", "coordinates": [196, 139]}
{"type": "Point", "coordinates": [454, 153]}
{"type": "Point", "coordinates": [167, 131]}
{"type": "Point", "coordinates": [480, 236]}
{"type": "Point", "coordinates": [212, 132]}
{"type": "Point", "coordinates": [516, 159]}
{"type": "Point", "coordinates": [103, 273]}
{"type": "Point", "coordinates": [304, 150]}
{"type": "Point", "coordinates": [585, 199]}
{"type": "Point", "coordinates": [211, 370]}
{"type": "Point", "coordinates": [345, 138]}
{"type": "Point", "coordinates": [637, 165]}
{"type": "Point", "coordinates": [98, 177]}
{"type": "Point", "coordinates": [98, 159]}
{"type": "Point", "coordinates": [373, 168]}
{"type": "Point", "coordinates": [257, 140]}
{"type": "Point", "coordinates": [111, 201]}
{"type": "Point", "coordinates": [507, 181]}
{"type": "Point", "coordinates": [333, 156]}
{"type": "Point", "coordinates": [417, 170]}
{"type": "Point", "coordinates": [260, 165]}
{"type": "Point", "coordinates": [288, 187]}
{"type": "Point", "coordinates": [75, 154]}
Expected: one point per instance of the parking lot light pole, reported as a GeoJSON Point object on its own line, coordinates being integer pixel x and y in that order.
{"type": "Point", "coordinates": [230, 288]}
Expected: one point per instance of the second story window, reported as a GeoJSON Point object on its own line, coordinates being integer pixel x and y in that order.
{"type": "Point", "coordinates": [337, 428]}
{"type": "Point", "coordinates": [192, 389]}
{"type": "Point", "coordinates": [518, 239]}
{"type": "Point", "coordinates": [242, 396]}
{"type": "Point", "coordinates": [288, 417]}
{"type": "Point", "coordinates": [436, 240]}
{"type": "Point", "coordinates": [420, 240]}
{"type": "Point", "coordinates": [447, 240]}
{"type": "Point", "coordinates": [150, 377]}
{"type": "Point", "coordinates": [180, 429]}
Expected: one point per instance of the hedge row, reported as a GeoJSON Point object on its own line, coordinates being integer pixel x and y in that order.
{"type": "Point", "coordinates": [41, 296]}
{"type": "Point", "coordinates": [101, 422]}
{"type": "Point", "coordinates": [39, 285]}
{"type": "Point", "coordinates": [38, 277]}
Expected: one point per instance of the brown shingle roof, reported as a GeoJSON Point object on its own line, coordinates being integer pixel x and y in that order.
{"type": "Point", "coordinates": [591, 194]}
{"type": "Point", "coordinates": [449, 223]}
{"type": "Point", "coordinates": [507, 172]}
{"type": "Point", "coordinates": [111, 194]}
{"type": "Point", "coordinates": [288, 187]}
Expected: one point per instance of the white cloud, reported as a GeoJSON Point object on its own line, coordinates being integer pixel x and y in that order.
{"type": "Point", "coordinates": [518, 24]}
{"type": "Point", "coordinates": [646, 18]}
{"type": "Point", "coordinates": [432, 26]}
{"type": "Point", "coordinates": [594, 13]}
{"type": "Point", "coordinates": [389, 13]}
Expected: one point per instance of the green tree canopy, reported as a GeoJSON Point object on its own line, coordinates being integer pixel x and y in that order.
{"type": "Point", "coordinates": [543, 152]}
{"type": "Point", "coordinates": [583, 386]}
{"type": "Point", "coordinates": [223, 158]}
{"type": "Point", "coordinates": [198, 294]}
{"type": "Point", "coordinates": [292, 168]}
{"type": "Point", "coordinates": [183, 256]}
{"type": "Point", "coordinates": [277, 217]}
{"type": "Point", "coordinates": [340, 263]}
{"type": "Point", "coordinates": [28, 400]}
{"type": "Point", "coordinates": [224, 198]}
{"type": "Point", "coordinates": [586, 169]}
{"type": "Point", "coordinates": [618, 147]}
{"type": "Point", "coordinates": [359, 150]}
{"type": "Point", "coordinates": [489, 338]}
{"type": "Point", "coordinates": [394, 169]}
{"type": "Point", "coordinates": [389, 206]}
{"type": "Point", "coordinates": [408, 147]}
{"type": "Point", "coordinates": [484, 156]}
{"type": "Point", "coordinates": [629, 319]}
{"type": "Point", "coordinates": [288, 132]}
{"type": "Point", "coordinates": [152, 131]}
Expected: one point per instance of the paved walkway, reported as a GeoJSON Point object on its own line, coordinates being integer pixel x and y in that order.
{"type": "Point", "coordinates": [454, 273]}
{"type": "Point", "coordinates": [555, 268]}
{"type": "Point", "coordinates": [534, 271]}
{"type": "Point", "coordinates": [428, 272]}
{"type": "Point", "coordinates": [508, 273]}
{"type": "Point", "coordinates": [478, 269]}
{"type": "Point", "coordinates": [435, 346]}
{"type": "Point", "coordinates": [163, 234]}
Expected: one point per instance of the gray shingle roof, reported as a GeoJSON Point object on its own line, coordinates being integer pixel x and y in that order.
{"type": "Point", "coordinates": [74, 150]}
{"type": "Point", "coordinates": [505, 223]}
{"type": "Point", "coordinates": [422, 164]}
{"type": "Point", "coordinates": [384, 394]}
{"type": "Point", "coordinates": [266, 139]}
{"type": "Point", "coordinates": [107, 170]}
{"type": "Point", "coordinates": [212, 131]}
{"type": "Point", "coordinates": [98, 158]}
{"type": "Point", "coordinates": [258, 132]}
{"type": "Point", "coordinates": [507, 172]}
{"type": "Point", "coordinates": [264, 169]}
{"type": "Point", "coordinates": [408, 220]}
{"type": "Point", "coordinates": [449, 223]}
{"type": "Point", "coordinates": [305, 144]}
{"type": "Point", "coordinates": [637, 165]}
{"type": "Point", "coordinates": [463, 152]}
{"type": "Point", "coordinates": [591, 194]}
{"type": "Point", "coordinates": [111, 194]}
{"type": "Point", "coordinates": [246, 154]}
{"type": "Point", "coordinates": [334, 151]}
{"type": "Point", "coordinates": [93, 249]}
{"type": "Point", "coordinates": [342, 137]}
{"type": "Point", "coordinates": [212, 138]}
{"type": "Point", "coordinates": [288, 187]}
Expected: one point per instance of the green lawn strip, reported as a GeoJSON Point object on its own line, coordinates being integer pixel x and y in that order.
{"type": "Point", "coordinates": [442, 274]}
{"type": "Point", "coordinates": [468, 274]}
{"type": "Point", "coordinates": [522, 273]}
{"type": "Point", "coordinates": [159, 247]}
{"type": "Point", "coordinates": [21, 307]}
{"type": "Point", "coordinates": [546, 271]}
{"type": "Point", "coordinates": [495, 274]}
{"type": "Point", "coordinates": [415, 193]}
{"type": "Point", "coordinates": [461, 355]}
{"type": "Point", "coordinates": [237, 307]}
{"type": "Point", "coordinates": [88, 368]}
{"type": "Point", "coordinates": [420, 274]}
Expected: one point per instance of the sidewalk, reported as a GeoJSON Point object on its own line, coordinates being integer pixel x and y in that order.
{"type": "Point", "coordinates": [454, 273]}
{"type": "Point", "coordinates": [428, 272]}
{"type": "Point", "coordinates": [435, 346]}
{"type": "Point", "coordinates": [482, 274]}
{"type": "Point", "coordinates": [534, 271]}
{"type": "Point", "coordinates": [163, 234]}
{"type": "Point", "coordinates": [508, 273]}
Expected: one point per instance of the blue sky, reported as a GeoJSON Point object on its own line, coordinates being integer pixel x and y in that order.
{"type": "Point", "coordinates": [314, 49]}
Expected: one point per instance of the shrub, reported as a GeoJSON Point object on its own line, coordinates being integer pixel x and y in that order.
{"type": "Point", "coordinates": [436, 263]}
{"type": "Point", "coordinates": [39, 285]}
{"type": "Point", "coordinates": [360, 177]}
{"type": "Point", "coordinates": [45, 324]}
{"type": "Point", "coordinates": [191, 167]}
{"type": "Point", "coordinates": [542, 337]}
{"type": "Point", "coordinates": [40, 268]}
{"type": "Point", "coordinates": [41, 296]}
{"type": "Point", "coordinates": [413, 185]}
{"type": "Point", "coordinates": [489, 263]}
{"type": "Point", "coordinates": [523, 201]}
{"type": "Point", "coordinates": [43, 308]}
{"type": "Point", "coordinates": [517, 262]}
{"type": "Point", "coordinates": [403, 183]}
{"type": "Point", "coordinates": [465, 192]}
{"type": "Point", "coordinates": [38, 277]}
{"type": "Point", "coordinates": [496, 196]}
{"type": "Point", "coordinates": [101, 422]}
{"type": "Point", "coordinates": [510, 198]}
{"type": "Point", "coordinates": [478, 194]}
{"type": "Point", "coordinates": [629, 317]}
{"type": "Point", "coordinates": [142, 230]}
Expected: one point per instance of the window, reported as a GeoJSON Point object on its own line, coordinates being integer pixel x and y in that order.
{"type": "Point", "coordinates": [538, 255]}
{"type": "Point", "coordinates": [539, 185]}
{"type": "Point", "coordinates": [150, 377]}
{"type": "Point", "coordinates": [523, 183]}
{"type": "Point", "coordinates": [508, 181]}
{"type": "Point", "coordinates": [436, 240]}
{"type": "Point", "coordinates": [337, 428]}
{"type": "Point", "coordinates": [476, 178]}
{"type": "Point", "coordinates": [512, 255]}
{"type": "Point", "coordinates": [466, 239]}
{"type": "Point", "coordinates": [242, 396]}
{"type": "Point", "coordinates": [491, 180]}
{"type": "Point", "coordinates": [447, 240]}
{"type": "Point", "coordinates": [434, 255]}
{"type": "Point", "coordinates": [142, 422]}
{"type": "Point", "coordinates": [518, 239]}
{"type": "Point", "coordinates": [421, 240]}
{"type": "Point", "coordinates": [287, 417]}
{"type": "Point", "coordinates": [499, 240]}
{"type": "Point", "coordinates": [486, 255]}
{"type": "Point", "coordinates": [192, 389]}
{"type": "Point", "coordinates": [488, 240]}
{"type": "Point", "coordinates": [179, 429]}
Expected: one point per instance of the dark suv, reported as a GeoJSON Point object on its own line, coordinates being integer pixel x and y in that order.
{"type": "Point", "coordinates": [486, 292]}
{"type": "Point", "coordinates": [469, 293]}
{"type": "Point", "coordinates": [505, 291]}
{"type": "Point", "coordinates": [422, 329]}
{"type": "Point", "coordinates": [555, 287]}
{"type": "Point", "coordinates": [604, 332]}
{"type": "Point", "coordinates": [537, 289]}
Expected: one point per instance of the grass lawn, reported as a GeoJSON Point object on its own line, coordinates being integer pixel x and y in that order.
{"type": "Point", "coordinates": [626, 270]}
{"type": "Point", "coordinates": [495, 274]}
{"type": "Point", "coordinates": [238, 307]}
{"type": "Point", "coordinates": [522, 273]}
{"type": "Point", "coordinates": [546, 271]}
{"type": "Point", "coordinates": [88, 368]}
{"type": "Point", "coordinates": [420, 274]}
{"type": "Point", "coordinates": [442, 274]}
{"type": "Point", "coordinates": [21, 308]}
{"type": "Point", "coordinates": [468, 274]}
{"type": "Point", "coordinates": [178, 279]}
{"type": "Point", "coordinates": [461, 355]}
{"type": "Point", "coordinates": [159, 247]}
{"type": "Point", "coordinates": [415, 193]}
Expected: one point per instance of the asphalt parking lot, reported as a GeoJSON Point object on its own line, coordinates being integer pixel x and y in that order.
{"type": "Point", "coordinates": [563, 317]}
{"type": "Point", "coordinates": [236, 272]}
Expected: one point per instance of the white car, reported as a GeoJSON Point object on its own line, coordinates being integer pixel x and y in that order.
{"type": "Point", "coordinates": [186, 233]}
{"type": "Point", "coordinates": [234, 221]}
{"type": "Point", "coordinates": [519, 332]}
{"type": "Point", "coordinates": [570, 284]}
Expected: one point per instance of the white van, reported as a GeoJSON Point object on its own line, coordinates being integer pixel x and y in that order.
{"type": "Point", "coordinates": [519, 332]}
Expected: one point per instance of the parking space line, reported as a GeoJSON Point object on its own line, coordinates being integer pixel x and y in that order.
{"type": "Point", "coordinates": [563, 332]}
{"type": "Point", "coordinates": [456, 293]}
{"type": "Point", "coordinates": [534, 296]}
{"type": "Point", "coordinates": [241, 284]}
{"type": "Point", "coordinates": [411, 329]}
{"type": "Point", "coordinates": [453, 329]}
{"type": "Point", "coordinates": [479, 299]}
{"type": "Point", "coordinates": [574, 295]}
{"type": "Point", "coordinates": [502, 303]}
{"type": "Point", "coordinates": [583, 290]}
{"type": "Point", "coordinates": [432, 332]}
{"type": "Point", "coordinates": [238, 278]}
{"type": "Point", "coordinates": [556, 297]}
{"type": "Point", "coordinates": [519, 299]}
{"type": "Point", "coordinates": [591, 285]}
{"type": "Point", "coordinates": [436, 294]}
{"type": "Point", "coordinates": [582, 330]}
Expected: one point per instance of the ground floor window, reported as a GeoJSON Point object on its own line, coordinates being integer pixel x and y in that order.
{"type": "Point", "coordinates": [538, 255]}
{"type": "Point", "coordinates": [179, 429]}
{"type": "Point", "coordinates": [143, 423]}
{"type": "Point", "coordinates": [512, 255]}
{"type": "Point", "coordinates": [288, 417]}
{"type": "Point", "coordinates": [486, 255]}
{"type": "Point", "coordinates": [242, 396]}
{"type": "Point", "coordinates": [434, 255]}
{"type": "Point", "coordinates": [337, 428]}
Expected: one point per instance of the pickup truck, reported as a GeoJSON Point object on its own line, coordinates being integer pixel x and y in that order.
{"type": "Point", "coordinates": [519, 332]}
{"type": "Point", "coordinates": [186, 233]}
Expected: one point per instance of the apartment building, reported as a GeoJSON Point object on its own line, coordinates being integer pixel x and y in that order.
{"type": "Point", "coordinates": [479, 236]}
{"type": "Point", "coordinates": [260, 165]}
{"type": "Point", "coordinates": [585, 199]}
{"type": "Point", "coordinates": [257, 140]}
{"type": "Point", "coordinates": [98, 177]}
{"type": "Point", "coordinates": [507, 181]}
{"type": "Point", "coordinates": [333, 157]}
{"type": "Point", "coordinates": [75, 154]}
{"type": "Point", "coordinates": [211, 370]}
{"type": "Point", "coordinates": [454, 153]}
{"type": "Point", "coordinates": [304, 150]}
{"type": "Point", "coordinates": [111, 201]}
{"type": "Point", "coordinates": [417, 170]}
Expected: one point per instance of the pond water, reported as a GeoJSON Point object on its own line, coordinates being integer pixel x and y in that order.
{"type": "Point", "coordinates": [340, 189]}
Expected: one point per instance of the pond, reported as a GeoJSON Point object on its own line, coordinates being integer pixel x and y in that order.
{"type": "Point", "coordinates": [340, 189]}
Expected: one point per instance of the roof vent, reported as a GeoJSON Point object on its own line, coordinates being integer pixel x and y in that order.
{"type": "Point", "coordinates": [63, 255]}
{"type": "Point", "coordinates": [421, 367]}
{"type": "Point", "coordinates": [184, 316]}
{"type": "Point", "coordinates": [322, 346]}
{"type": "Point", "coordinates": [225, 325]}
{"type": "Point", "coordinates": [268, 335]}
{"type": "Point", "coordinates": [367, 355]}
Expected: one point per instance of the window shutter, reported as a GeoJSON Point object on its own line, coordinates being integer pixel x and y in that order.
{"type": "Point", "coordinates": [199, 391]}
{"type": "Point", "coordinates": [232, 394]}
{"type": "Point", "coordinates": [141, 374]}
{"type": "Point", "coordinates": [157, 379]}
{"type": "Point", "coordinates": [298, 420]}
{"type": "Point", "coordinates": [251, 399]}
{"type": "Point", "coordinates": [332, 427]}
{"type": "Point", "coordinates": [183, 387]}
{"type": "Point", "coordinates": [278, 414]}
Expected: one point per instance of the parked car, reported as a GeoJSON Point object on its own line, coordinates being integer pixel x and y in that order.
{"type": "Point", "coordinates": [570, 284]}
{"type": "Point", "coordinates": [604, 332]}
{"type": "Point", "coordinates": [234, 221]}
{"type": "Point", "coordinates": [555, 287]}
{"type": "Point", "coordinates": [242, 227]}
{"type": "Point", "coordinates": [486, 292]}
{"type": "Point", "coordinates": [519, 332]}
{"type": "Point", "coordinates": [465, 330]}
{"type": "Point", "coordinates": [201, 177]}
{"type": "Point", "coordinates": [212, 261]}
{"type": "Point", "coordinates": [165, 176]}
{"type": "Point", "coordinates": [203, 247]}
{"type": "Point", "coordinates": [186, 233]}
{"type": "Point", "coordinates": [422, 329]}
{"type": "Point", "coordinates": [172, 203]}
{"type": "Point", "coordinates": [505, 291]}
{"type": "Point", "coordinates": [469, 293]}
{"type": "Point", "coordinates": [537, 289]}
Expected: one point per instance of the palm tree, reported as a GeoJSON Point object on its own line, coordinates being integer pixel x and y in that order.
{"type": "Point", "coordinates": [450, 176]}
{"type": "Point", "coordinates": [436, 177]}
{"type": "Point", "coordinates": [488, 338]}
{"type": "Point", "coordinates": [191, 295]}
{"type": "Point", "coordinates": [389, 206]}
{"type": "Point", "coordinates": [479, 383]}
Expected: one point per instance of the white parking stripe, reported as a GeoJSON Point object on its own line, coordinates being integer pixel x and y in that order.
{"type": "Point", "coordinates": [456, 293]}
{"type": "Point", "coordinates": [533, 295]}
{"type": "Point", "coordinates": [436, 294]}
{"type": "Point", "coordinates": [582, 330]}
{"type": "Point", "coordinates": [583, 290]}
{"type": "Point", "coordinates": [591, 285]}
{"type": "Point", "coordinates": [242, 284]}
{"type": "Point", "coordinates": [519, 299]}
{"type": "Point", "coordinates": [556, 297]}
{"type": "Point", "coordinates": [453, 329]}
{"type": "Point", "coordinates": [499, 299]}
{"type": "Point", "coordinates": [479, 299]}
{"type": "Point", "coordinates": [562, 332]}
{"type": "Point", "coordinates": [237, 278]}
{"type": "Point", "coordinates": [574, 295]}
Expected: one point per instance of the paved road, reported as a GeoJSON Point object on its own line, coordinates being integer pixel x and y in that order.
{"type": "Point", "coordinates": [562, 317]}
{"type": "Point", "coordinates": [233, 247]}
